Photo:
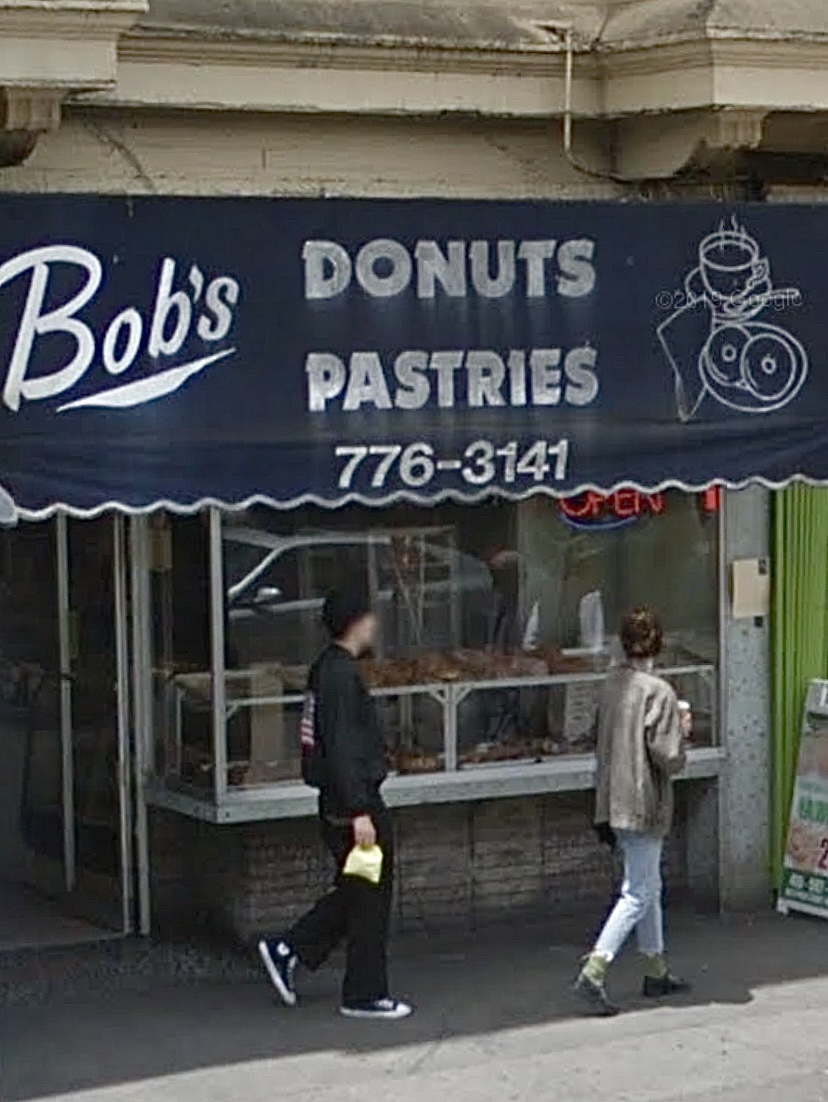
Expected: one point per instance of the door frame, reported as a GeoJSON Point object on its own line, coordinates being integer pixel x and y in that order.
{"type": "Point", "coordinates": [123, 714]}
{"type": "Point", "coordinates": [142, 705]}
{"type": "Point", "coordinates": [67, 772]}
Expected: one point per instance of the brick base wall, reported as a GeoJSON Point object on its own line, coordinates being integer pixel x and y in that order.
{"type": "Point", "coordinates": [459, 865]}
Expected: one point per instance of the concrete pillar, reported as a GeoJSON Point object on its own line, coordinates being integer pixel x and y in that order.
{"type": "Point", "coordinates": [744, 790]}
{"type": "Point", "coordinates": [702, 807]}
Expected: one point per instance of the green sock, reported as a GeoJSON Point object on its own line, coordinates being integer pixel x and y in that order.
{"type": "Point", "coordinates": [656, 967]}
{"type": "Point", "coordinates": [595, 968]}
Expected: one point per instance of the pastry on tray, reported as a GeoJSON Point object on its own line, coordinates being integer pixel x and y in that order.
{"type": "Point", "coordinates": [414, 761]}
{"type": "Point", "coordinates": [476, 665]}
{"type": "Point", "coordinates": [437, 667]}
{"type": "Point", "coordinates": [478, 756]}
{"type": "Point", "coordinates": [488, 753]}
{"type": "Point", "coordinates": [559, 663]}
{"type": "Point", "coordinates": [249, 774]}
{"type": "Point", "coordinates": [387, 673]}
{"type": "Point", "coordinates": [527, 750]}
{"type": "Point", "coordinates": [468, 665]}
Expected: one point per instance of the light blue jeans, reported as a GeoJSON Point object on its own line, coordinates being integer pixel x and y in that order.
{"type": "Point", "coordinates": [639, 905]}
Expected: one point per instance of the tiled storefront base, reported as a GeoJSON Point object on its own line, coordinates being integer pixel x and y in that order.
{"type": "Point", "coordinates": [460, 865]}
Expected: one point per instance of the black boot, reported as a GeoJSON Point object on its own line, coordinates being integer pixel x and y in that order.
{"type": "Point", "coordinates": [667, 985]}
{"type": "Point", "coordinates": [659, 982]}
{"type": "Point", "coordinates": [591, 986]}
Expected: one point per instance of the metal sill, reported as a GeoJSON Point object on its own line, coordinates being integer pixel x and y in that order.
{"type": "Point", "coordinates": [294, 800]}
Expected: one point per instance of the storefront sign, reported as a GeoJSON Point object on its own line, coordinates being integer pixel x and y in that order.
{"type": "Point", "coordinates": [591, 511]}
{"type": "Point", "coordinates": [805, 872]}
{"type": "Point", "coordinates": [228, 350]}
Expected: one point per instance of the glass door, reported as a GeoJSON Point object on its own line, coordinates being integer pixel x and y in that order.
{"type": "Point", "coordinates": [92, 573]}
{"type": "Point", "coordinates": [65, 862]}
{"type": "Point", "coordinates": [32, 822]}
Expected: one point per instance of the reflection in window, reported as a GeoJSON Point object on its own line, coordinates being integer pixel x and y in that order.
{"type": "Point", "coordinates": [497, 622]}
{"type": "Point", "coordinates": [182, 679]}
{"type": "Point", "coordinates": [488, 596]}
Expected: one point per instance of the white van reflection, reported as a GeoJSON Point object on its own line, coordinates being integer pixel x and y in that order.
{"type": "Point", "coordinates": [275, 587]}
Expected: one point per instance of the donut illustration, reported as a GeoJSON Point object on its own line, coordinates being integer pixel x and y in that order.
{"type": "Point", "coordinates": [753, 368]}
{"type": "Point", "coordinates": [771, 365]}
{"type": "Point", "coordinates": [722, 355]}
{"type": "Point", "coordinates": [742, 361]}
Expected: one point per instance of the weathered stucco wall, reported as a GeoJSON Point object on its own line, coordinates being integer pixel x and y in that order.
{"type": "Point", "coordinates": [212, 153]}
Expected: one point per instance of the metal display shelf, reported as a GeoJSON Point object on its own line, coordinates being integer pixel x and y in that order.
{"type": "Point", "coordinates": [293, 800]}
{"type": "Point", "coordinates": [453, 783]}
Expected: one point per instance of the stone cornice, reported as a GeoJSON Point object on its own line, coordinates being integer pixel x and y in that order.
{"type": "Point", "coordinates": [66, 21]}
{"type": "Point", "coordinates": [50, 49]}
{"type": "Point", "coordinates": [68, 44]}
{"type": "Point", "coordinates": [194, 45]}
{"type": "Point", "coordinates": [715, 50]}
{"type": "Point", "coordinates": [712, 34]}
{"type": "Point", "coordinates": [717, 72]}
{"type": "Point", "coordinates": [339, 52]}
{"type": "Point", "coordinates": [214, 70]}
{"type": "Point", "coordinates": [159, 66]}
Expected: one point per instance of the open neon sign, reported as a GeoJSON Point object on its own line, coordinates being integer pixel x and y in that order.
{"type": "Point", "coordinates": [604, 511]}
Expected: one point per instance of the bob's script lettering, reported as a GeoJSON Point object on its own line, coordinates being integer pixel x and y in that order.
{"type": "Point", "coordinates": [185, 311]}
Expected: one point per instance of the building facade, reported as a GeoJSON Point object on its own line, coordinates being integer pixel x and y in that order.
{"type": "Point", "coordinates": [122, 816]}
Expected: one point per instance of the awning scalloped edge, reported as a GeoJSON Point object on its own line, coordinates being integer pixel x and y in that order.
{"type": "Point", "coordinates": [404, 497]}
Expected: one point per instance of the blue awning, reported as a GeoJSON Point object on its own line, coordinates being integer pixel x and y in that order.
{"type": "Point", "coordinates": [186, 352]}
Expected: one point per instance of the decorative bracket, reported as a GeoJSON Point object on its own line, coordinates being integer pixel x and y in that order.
{"type": "Point", "coordinates": [664, 146]}
{"type": "Point", "coordinates": [735, 129]}
{"type": "Point", "coordinates": [25, 114]}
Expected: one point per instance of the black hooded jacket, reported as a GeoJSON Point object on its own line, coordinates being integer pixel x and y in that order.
{"type": "Point", "coordinates": [343, 748]}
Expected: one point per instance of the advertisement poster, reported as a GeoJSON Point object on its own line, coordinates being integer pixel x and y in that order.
{"type": "Point", "coordinates": [805, 875]}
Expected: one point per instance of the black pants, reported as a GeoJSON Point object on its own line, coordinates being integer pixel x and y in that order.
{"type": "Point", "coordinates": [354, 911]}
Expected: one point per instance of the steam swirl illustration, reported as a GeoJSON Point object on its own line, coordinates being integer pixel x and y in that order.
{"type": "Point", "coordinates": [714, 342]}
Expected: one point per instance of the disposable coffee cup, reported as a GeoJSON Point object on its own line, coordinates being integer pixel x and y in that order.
{"type": "Point", "coordinates": [686, 713]}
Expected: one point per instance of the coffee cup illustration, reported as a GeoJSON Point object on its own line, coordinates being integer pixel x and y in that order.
{"type": "Point", "coordinates": [732, 270]}
{"type": "Point", "coordinates": [716, 344]}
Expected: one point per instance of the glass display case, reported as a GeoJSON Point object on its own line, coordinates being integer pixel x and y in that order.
{"type": "Point", "coordinates": [493, 635]}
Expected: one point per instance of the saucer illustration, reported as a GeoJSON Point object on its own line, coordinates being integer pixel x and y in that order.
{"type": "Point", "coordinates": [718, 343]}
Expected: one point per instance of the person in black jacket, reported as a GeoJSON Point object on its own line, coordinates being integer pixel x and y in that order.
{"type": "Point", "coordinates": [344, 756]}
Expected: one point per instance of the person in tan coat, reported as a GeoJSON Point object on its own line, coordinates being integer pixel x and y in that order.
{"type": "Point", "coordinates": [640, 747]}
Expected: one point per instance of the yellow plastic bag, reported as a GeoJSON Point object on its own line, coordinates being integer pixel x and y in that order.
{"type": "Point", "coordinates": [364, 862]}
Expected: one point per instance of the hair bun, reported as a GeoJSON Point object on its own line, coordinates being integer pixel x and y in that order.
{"type": "Point", "coordinates": [641, 633]}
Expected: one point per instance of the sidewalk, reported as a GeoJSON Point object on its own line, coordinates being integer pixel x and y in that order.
{"type": "Point", "coordinates": [495, 1022]}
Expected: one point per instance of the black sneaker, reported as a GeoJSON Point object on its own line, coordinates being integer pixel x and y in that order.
{"type": "Point", "coordinates": [383, 1010]}
{"type": "Point", "coordinates": [280, 963]}
{"type": "Point", "coordinates": [662, 987]}
{"type": "Point", "coordinates": [595, 994]}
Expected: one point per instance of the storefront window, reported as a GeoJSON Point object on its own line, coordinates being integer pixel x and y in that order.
{"type": "Point", "coordinates": [498, 622]}
{"type": "Point", "coordinates": [183, 749]}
